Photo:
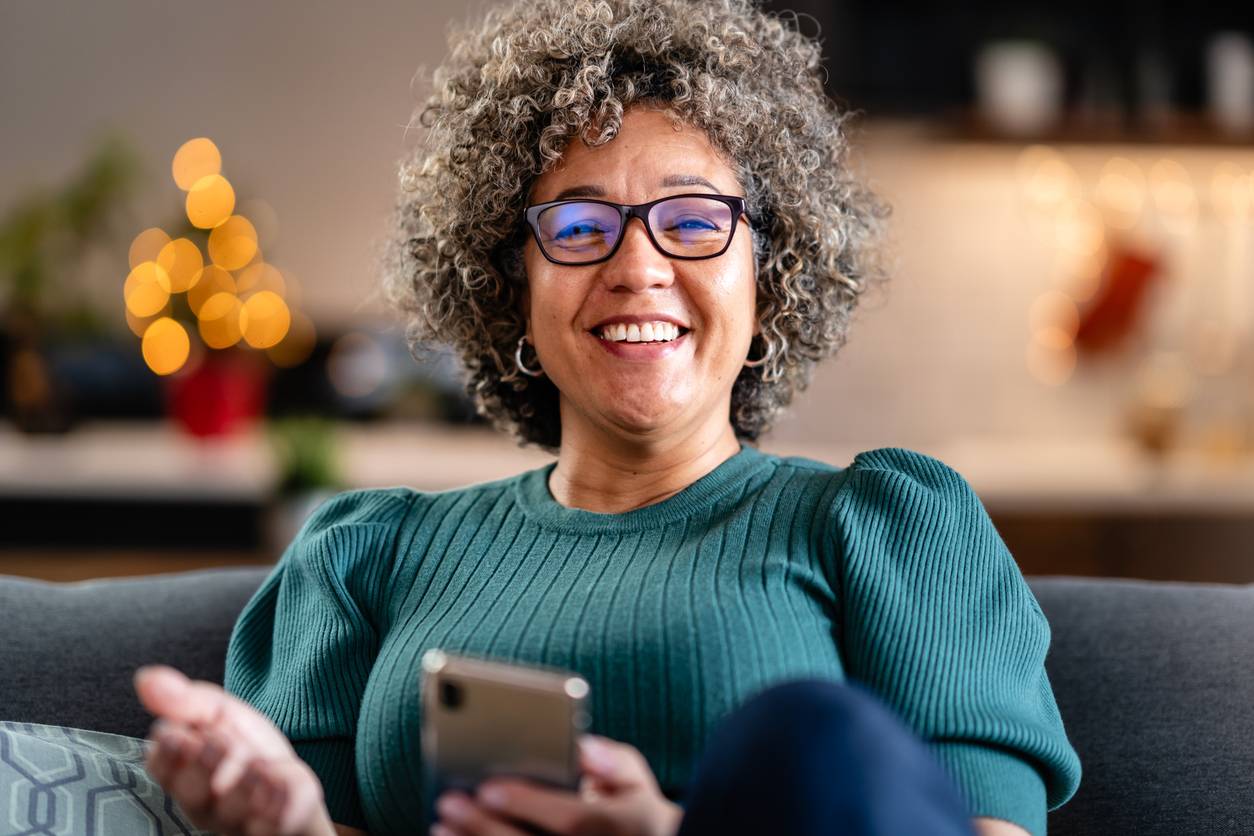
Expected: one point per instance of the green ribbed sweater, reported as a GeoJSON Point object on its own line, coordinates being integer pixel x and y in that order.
{"type": "Point", "coordinates": [888, 572]}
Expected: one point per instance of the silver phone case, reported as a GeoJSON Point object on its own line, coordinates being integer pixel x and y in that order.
{"type": "Point", "coordinates": [514, 720]}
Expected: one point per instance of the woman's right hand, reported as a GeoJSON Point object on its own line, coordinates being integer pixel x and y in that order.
{"type": "Point", "coordinates": [228, 767]}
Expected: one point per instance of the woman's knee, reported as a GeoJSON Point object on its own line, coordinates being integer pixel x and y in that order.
{"type": "Point", "coordinates": [826, 757]}
{"type": "Point", "coordinates": [823, 723]}
{"type": "Point", "coordinates": [813, 707]}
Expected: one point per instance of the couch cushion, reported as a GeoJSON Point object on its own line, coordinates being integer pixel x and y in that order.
{"type": "Point", "coordinates": [1155, 682]}
{"type": "Point", "coordinates": [70, 649]}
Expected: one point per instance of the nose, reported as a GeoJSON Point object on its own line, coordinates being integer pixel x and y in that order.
{"type": "Point", "coordinates": [637, 265]}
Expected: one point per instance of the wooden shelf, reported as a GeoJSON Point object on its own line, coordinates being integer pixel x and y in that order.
{"type": "Point", "coordinates": [1180, 129]}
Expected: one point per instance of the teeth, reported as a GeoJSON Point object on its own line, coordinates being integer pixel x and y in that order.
{"type": "Point", "coordinates": [649, 332]}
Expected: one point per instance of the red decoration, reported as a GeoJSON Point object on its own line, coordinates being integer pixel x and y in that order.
{"type": "Point", "coordinates": [1120, 301]}
{"type": "Point", "coordinates": [219, 395]}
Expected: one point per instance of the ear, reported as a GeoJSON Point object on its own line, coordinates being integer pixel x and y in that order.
{"type": "Point", "coordinates": [524, 304]}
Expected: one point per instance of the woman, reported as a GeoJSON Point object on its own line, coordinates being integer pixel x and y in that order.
{"type": "Point", "coordinates": [636, 223]}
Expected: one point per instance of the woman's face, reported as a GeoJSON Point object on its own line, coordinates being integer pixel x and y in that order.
{"type": "Point", "coordinates": [652, 389]}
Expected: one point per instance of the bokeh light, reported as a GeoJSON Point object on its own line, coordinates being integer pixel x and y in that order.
{"type": "Point", "coordinates": [210, 202]}
{"type": "Point", "coordinates": [1232, 191]}
{"type": "Point", "coordinates": [259, 276]}
{"type": "Point", "coordinates": [147, 245]}
{"type": "Point", "coordinates": [264, 319]}
{"type": "Point", "coordinates": [234, 293]}
{"type": "Point", "coordinates": [195, 159]}
{"type": "Point", "coordinates": [139, 324]}
{"type": "Point", "coordinates": [182, 262]}
{"type": "Point", "coordinates": [1054, 309]}
{"type": "Point", "coordinates": [357, 365]}
{"type": "Point", "coordinates": [218, 320]}
{"type": "Point", "coordinates": [297, 345]}
{"type": "Point", "coordinates": [1120, 191]}
{"type": "Point", "coordinates": [233, 243]}
{"type": "Point", "coordinates": [1174, 195]}
{"type": "Point", "coordinates": [1046, 178]}
{"type": "Point", "coordinates": [1080, 230]}
{"type": "Point", "coordinates": [213, 279]}
{"type": "Point", "coordinates": [165, 346]}
{"type": "Point", "coordinates": [146, 290]}
{"type": "Point", "coordinates": [1050, 359]}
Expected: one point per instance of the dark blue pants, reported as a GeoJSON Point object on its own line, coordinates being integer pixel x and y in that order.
{"type": "Point", "coordinates": [813, 758]}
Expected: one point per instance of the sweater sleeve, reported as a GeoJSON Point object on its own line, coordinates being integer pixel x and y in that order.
{"type": "Point", "coordinates": [303, 647]}
{"type": "Point", "coordinates": [937, 619]}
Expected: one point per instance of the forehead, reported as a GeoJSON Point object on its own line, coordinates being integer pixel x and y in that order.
{"type": "Point", "coordinates": [649, 148]}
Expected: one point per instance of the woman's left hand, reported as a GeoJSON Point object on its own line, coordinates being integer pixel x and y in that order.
{"type": "Point", "coordinates": [618, 796]}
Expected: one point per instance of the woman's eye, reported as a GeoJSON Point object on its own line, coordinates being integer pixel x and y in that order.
{"type": "Point", "coordinates": [575, 230]}
{"type": "Point", "coordinates": [694, 223]}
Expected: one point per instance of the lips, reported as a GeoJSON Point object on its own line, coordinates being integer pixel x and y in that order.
{"type": "Point", "coordinates": [642, 352]}
{"type": "Point", "coordinates": [640, 319]}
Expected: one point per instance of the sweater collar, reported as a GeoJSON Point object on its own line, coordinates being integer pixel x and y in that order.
{"type": "Point", "coordinates": [537, 502]}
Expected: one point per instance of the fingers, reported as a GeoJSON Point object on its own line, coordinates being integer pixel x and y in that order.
{"type": "Point", "coordinates": [167, 693]}
{"type": "Point", "coordinates": [238, 784]}
{"type": "Point", "coordinates": [162, 757]}
{"type": "Point", "coordinates": [224, 786]}
{"type": "Point", "coordinates": [224, 762]}
{"type": "Point", "coordinates": [243, 799]}
{"type": "Point", "coordinates": [189, 782]}
{"type": "Point", "coordinates": [553, 810]}
{"type": "Point", "coordinates": [614, 765]}
{"type": "Point", "coordinates": [299, 795]}
{"type": "Point", "coordinates": [460, 815]}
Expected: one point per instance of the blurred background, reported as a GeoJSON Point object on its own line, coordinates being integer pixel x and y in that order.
{"type": "Point", "coordinates": [194, 352]}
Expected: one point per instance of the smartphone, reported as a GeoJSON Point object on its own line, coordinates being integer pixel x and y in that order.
{"type": "Point", "coordinates": [483, 718]}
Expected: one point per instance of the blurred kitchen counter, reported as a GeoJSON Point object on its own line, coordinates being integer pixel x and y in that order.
{"type": "Point", "coordinates": [143, 460]}
{"type": "Point", "coordinates": [1089, 507]}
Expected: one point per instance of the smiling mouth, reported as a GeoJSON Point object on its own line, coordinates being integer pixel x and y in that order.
{"type": "Point", "coordinates": [648, 333]}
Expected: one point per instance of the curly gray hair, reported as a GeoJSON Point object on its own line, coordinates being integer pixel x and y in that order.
{"type": "Point", "coordinates": [526, 79]}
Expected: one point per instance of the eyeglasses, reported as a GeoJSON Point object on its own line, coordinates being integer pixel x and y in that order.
{"type": "Point", "coordinates": [688, 226]}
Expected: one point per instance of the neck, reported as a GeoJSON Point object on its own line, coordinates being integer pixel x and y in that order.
{"type": "Point", "coordinates": [611, 473]}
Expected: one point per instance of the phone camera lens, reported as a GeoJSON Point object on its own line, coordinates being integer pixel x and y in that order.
{"type": "Point", "coordinates": [451, 694]}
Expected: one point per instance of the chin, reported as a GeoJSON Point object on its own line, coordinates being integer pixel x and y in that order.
{"type": "Point", "coordinates": [641, 422]}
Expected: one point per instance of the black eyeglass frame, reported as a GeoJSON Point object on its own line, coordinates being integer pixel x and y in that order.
{"type": "Point", "coordinates": [737, 204]}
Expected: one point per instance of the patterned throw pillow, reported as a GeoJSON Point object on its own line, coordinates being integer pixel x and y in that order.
{"type": "Point", "coordinates": [57, 781]}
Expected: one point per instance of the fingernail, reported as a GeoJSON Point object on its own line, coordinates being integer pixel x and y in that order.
{"type": "Point", "coordinates": [491, 795]}
{"type": "Point", "coordinates": [453, 807]}
{"type": "Point", "coordinates": [597, 752]}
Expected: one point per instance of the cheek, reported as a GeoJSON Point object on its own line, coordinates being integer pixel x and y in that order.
{"type": "Point", "coordinates": [730, 304]}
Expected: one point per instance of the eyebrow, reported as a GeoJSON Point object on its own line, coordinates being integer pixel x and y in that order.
{"type": "Point", "coordinates": [671, 180]}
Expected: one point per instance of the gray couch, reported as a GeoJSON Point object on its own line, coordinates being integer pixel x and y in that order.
{"type": "Point", "coordinates": [1155, 680]}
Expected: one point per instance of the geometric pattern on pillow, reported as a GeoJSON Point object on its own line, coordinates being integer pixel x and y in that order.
{"type": "Point", "coordinates": [58, 781]}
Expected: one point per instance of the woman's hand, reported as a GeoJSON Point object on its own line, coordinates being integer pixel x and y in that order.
{"type": "Point", "coordinates": [618, 796]}
{"type": "Point", "coordinates": [228, 767]}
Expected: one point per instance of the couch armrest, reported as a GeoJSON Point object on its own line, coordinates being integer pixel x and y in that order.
{"type": "Point", "coordinates": [70, 649]}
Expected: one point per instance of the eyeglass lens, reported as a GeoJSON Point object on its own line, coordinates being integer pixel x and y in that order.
{"type": "Point", "coordinates": [683, 226]}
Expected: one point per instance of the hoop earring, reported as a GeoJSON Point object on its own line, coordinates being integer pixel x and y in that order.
{"type": "Point", "coordinates": [518, 360]}
{"type": "Point", "coordinates": [764, 359]}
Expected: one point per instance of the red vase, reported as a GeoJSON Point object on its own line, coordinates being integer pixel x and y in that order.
{"type": "Point", "coordinates": [220, 395]}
